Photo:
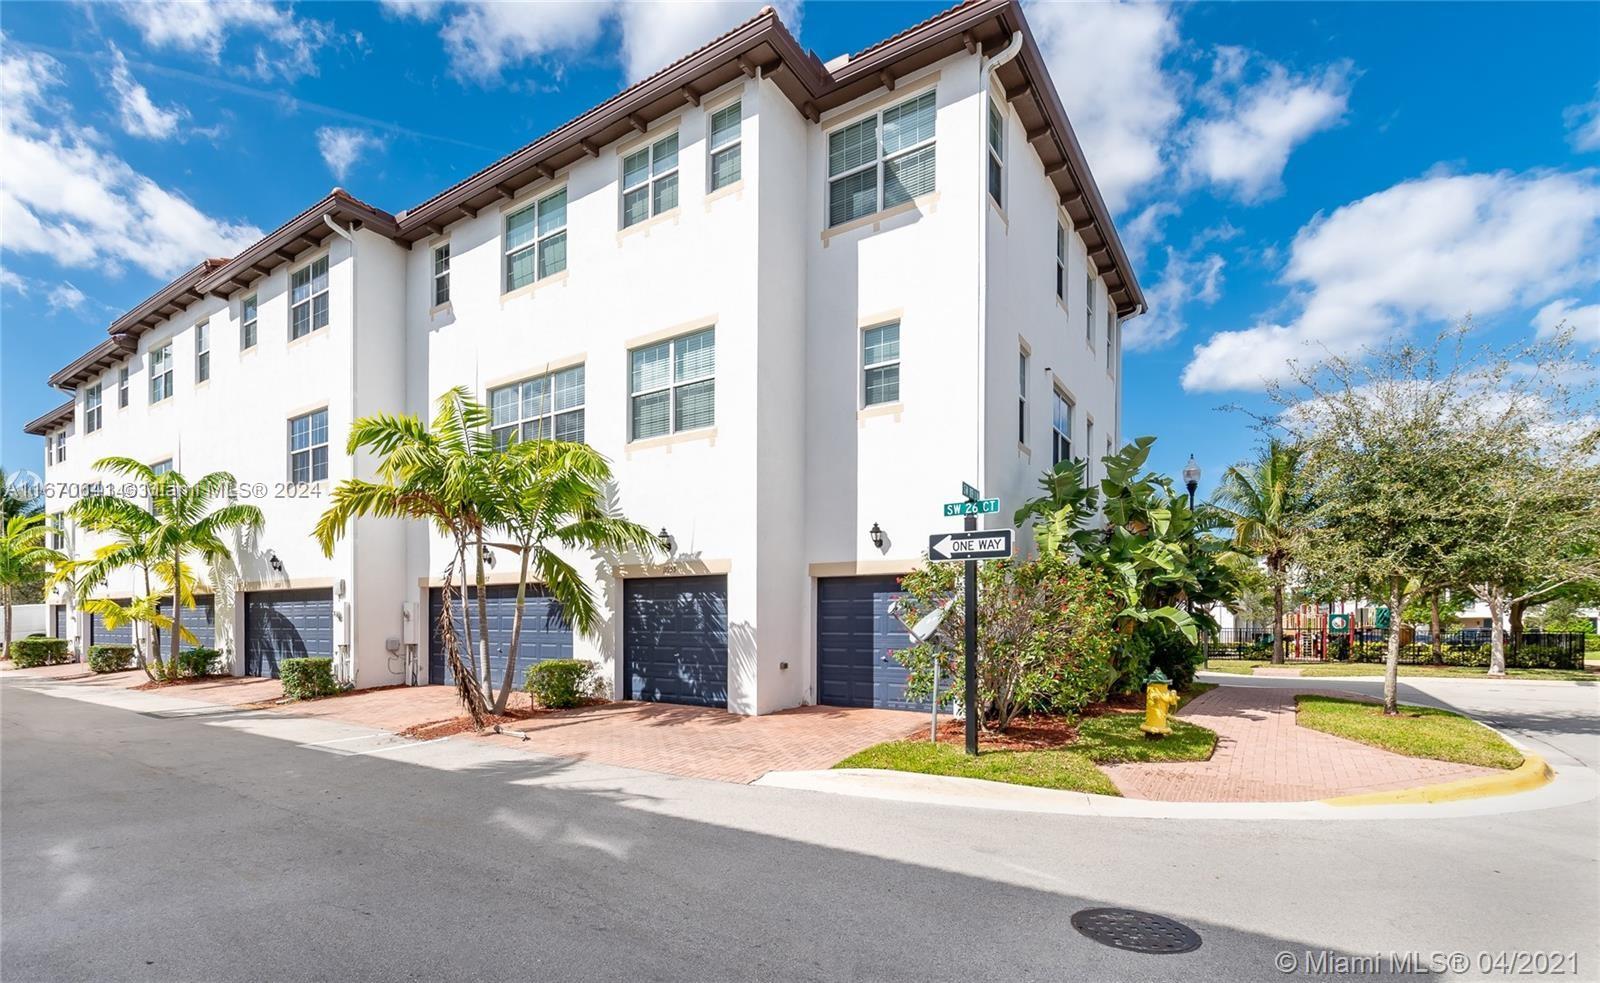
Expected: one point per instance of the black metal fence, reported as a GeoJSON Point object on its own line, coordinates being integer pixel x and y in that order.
{"type": "Point", "coordinates": [1530, 650]}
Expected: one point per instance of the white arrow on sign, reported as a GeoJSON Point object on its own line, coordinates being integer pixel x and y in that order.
{"type": "Point", "coordinates": [989, 544]}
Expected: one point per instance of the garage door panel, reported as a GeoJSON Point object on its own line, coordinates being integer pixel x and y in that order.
{"type": "Point", "coordinates": [546, 633]}
{"type": "Point", "coordinates": [201, 620]}
{"type": "Point", "coordinates": [856, 636]}
{"type": "Point", "coordinates": [99, 634]}
{"type": "Point", "coordinates": [286, 625]}
{"type": "Point", "coordinates": [58, 620]}
{"type": "Point", "coordinates": [675, 640]}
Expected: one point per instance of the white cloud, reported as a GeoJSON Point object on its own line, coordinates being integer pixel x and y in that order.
{"type": "Point", "coordinates": [342, 146]}
{"type": "Point", "coordinates": [14, 283]}
{"type": "Point", "coordinates": [1436, 248]}
{"type": "Point", "coordinates": [1244, 143]}
{"type": "Point", "coordinates": [284, 45]}
{"type": "Point", "coordinates": [656, 34]}
{"type": "Point", "coordinates": [1139, 232]}
{"type": "Point", "coordinates": [1584, 321]}
{"type": "Point", "coordinates": [1184, 280]}
{"type": "Point", "coordinates": [1105, 60]}
{"type": "Point", "coordinates": [1583, 123]}
{"type": "Point", "coordinates": [65, 296]}
{"type": "Point", "coordinates": [139, 115]}
{"type": "Point", "coordinates": [64, 194]}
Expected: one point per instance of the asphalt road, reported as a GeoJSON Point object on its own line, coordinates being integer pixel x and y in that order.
{"type": "Point", "coordinates": [140, 848]}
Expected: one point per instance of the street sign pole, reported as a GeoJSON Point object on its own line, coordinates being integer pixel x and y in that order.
{"type": "Point", "coordinates": [970, 699]}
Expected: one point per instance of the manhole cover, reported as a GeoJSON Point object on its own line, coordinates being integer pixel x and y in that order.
{"type": "Point", "coordinates": [1135, 931]}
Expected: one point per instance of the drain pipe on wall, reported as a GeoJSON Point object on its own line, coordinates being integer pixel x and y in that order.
{"type": "Point", "coordinates": [986, 92]}
{"type": "Point", "coordinates": [347, 607]}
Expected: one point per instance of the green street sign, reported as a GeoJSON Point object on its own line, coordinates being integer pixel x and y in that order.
{"type": "Point", "coordinates": [969, 492]}
{"type": "Point", "coordinates": [982, 506]}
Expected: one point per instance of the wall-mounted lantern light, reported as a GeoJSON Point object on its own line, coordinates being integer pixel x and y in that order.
{"type": "Point", "coordinates": [876, 535]}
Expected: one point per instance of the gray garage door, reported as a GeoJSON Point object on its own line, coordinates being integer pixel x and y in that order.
{"type": "Point", "coordinates": [855, 634]}
{"type": "Point", "coordinates": [99, 634]}
{"type": "Point", "coordinates": [545, 631]}
{"type": "Point", "coordinates": [675, 640]}
{"type": "Point", "coordinates": [201, 620]}
{"type": "Point", "coordinates": [285, 624]}
{"type": "Point", "coordinates": [58, 618]}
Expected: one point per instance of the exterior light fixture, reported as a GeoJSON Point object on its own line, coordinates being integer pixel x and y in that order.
{"type": "Point", "coordinates": [664, 539]}
{"type": "Point", "coordinates": [1191, 478]}
{"type": "Point", "coordinates": [487, 555]}
{"type": "Point", "coordinates": [273, 562]}
{"type": "Point", "coordinates": [876, 535]}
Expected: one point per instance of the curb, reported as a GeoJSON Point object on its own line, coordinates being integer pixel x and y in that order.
{"type": "Point", "coordinates": [1531, 774]}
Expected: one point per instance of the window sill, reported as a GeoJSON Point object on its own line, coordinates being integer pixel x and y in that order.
{"type": "Point", "coordinates": [670, 215]}
{"type": "Point", "coordinates": [999, 210]}
{"type": "Point", "coordinates": [445, 307]}
{"type": "Point", "coordinates": [928, 203]}
{"type": "Point", "coordinates": [735, 189]}
{"type": "Point", "coordinates": [306, 338]}
{"type": "Point", "coordinates": [1025, 451]}
{"type": "Point", "coordinates": [882, 409]}
{"type": "Point", "coordinates": [707, 435]}
{"type": "Point", "coordinates": [1063, 305]}
{"type": "Point", "coordinates": [529, 289]}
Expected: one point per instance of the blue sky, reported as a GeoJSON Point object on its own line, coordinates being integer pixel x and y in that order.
{"type": "Point", "coordinates": [1287, 175]}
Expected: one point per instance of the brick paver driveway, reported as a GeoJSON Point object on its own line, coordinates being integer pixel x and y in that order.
{"type": "Point", "coordinates": [1264, 756]}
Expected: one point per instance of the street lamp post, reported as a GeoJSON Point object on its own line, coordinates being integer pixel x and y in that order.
{"type": "Point", "coordinates": [1191, 478]}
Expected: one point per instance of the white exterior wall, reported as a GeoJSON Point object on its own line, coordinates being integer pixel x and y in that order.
{"type": "Point", "coordinates": [783, 489]}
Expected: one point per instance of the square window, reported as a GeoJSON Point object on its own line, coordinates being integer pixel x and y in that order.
{"type": "Point", "coordinates": [672, 385]}
{"type": "Point", "coordinates": [545, 407]}
{"type": "Point", "coordinates": [650, 181]}
{"type": "Point", "coordinates": [862, 180]}
{"type": "Point", "coordinates": [308, 447]}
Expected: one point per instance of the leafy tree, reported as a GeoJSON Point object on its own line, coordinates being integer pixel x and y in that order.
{"type": "Point", "coordinates": [1267, 502]}
{"type": "Point", "coordinates": [182, 523]}
{"type": "Point", "coordinates": [25, 556]}
{"type": "Point", "coordinates": [556, 492]}
{"type": "Point", "coordinates": [1044, 636]}
{"type": "Point", "coordinates": [440, 473]}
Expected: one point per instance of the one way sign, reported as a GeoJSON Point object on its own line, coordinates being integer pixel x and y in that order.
{"type": "Point", "coordinates": [985, 544]}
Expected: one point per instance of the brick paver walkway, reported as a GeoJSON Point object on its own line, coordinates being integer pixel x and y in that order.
{"type": "Point", "coordinates": [1262, 755]}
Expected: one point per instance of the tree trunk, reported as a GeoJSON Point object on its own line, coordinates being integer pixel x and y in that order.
{"type": "Point", "coordinates": [1518, 606]}
{"type": "Point", "coordinates": [1391, 663]}
{"type": "Point", "coordinates": [466, 617]}
{"type": "Point", "coordinates": [516, 637]}
{"type": "Point", "coordinates": [1433, 629]}
{"type": "Point", "coordinates": [8, 623]}
{"type": "Point", "coordinates": [483, 617]}
{"type": "Point", "coordinates": [1497, 635]}
{"type": "Point", "coordinates": [466, 683]}
{"type": "Point", "coordinates": [1278, 654]}
{"type": "Point", "coordinates": [149, 636]}
{"type": "Point", "coordinates": [177, 614]}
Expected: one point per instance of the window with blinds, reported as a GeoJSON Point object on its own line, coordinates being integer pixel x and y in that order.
{"type": "Point", "coordinates": [723, 145]}
{"type": "Point", "coordinates": [880, 362]}
{"type": "Point", "coordinates": [536, 241]}
{"type": "Point", "coordinates": [650, 181]}
{"type": "Point", "coordinates": [547, 407]}
{"type": "Point", "coordinates": [672, 386]}
{"type": "Point", "coordinates": [881, 161]}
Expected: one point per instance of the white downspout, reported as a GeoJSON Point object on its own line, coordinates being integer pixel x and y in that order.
{"type": "Point", "coordinates": [986, 79]}
{"type": "Point", "coordinates": [349, 629]}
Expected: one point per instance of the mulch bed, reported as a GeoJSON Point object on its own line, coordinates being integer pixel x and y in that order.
{"type": "Point", "coordinates": [1039, 732]}
{"type": "Point", "coordinates": [452, 726]}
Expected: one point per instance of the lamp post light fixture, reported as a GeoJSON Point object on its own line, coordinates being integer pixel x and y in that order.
{"type": "Point", "coordinates": [1191, 478]}
{"type": "Point", "coordinates": [664, 539]}
{"type": "Point", "coordinates": [876, 535]}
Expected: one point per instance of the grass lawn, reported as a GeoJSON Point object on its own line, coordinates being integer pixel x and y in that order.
{"type": "Point", "coordinates": [1239, 667]}
{"type": "Point", "coordinates": [1458, 672]}
{"type": "Point", "coordinates": [1420, 732]}
{"type": "Point", "coordinates": [1106, 739]}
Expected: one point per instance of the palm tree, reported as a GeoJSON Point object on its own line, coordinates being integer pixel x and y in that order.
{"type": "Point", "coordinates": [15, 497]}
{"type": "Point", "coordinates": [557, 491]}
{"type": "Point", "coordinates": [439, 473]}
{"type": "Point", "coordinates": [1267, 502]}
{"type": "Point", "coordinates": [25, 556]}
{"type": "Point", "coordinates": [181, 523]}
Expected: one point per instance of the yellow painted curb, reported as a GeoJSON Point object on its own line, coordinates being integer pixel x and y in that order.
{"type": "Point", "coordinates": [1532, 773]}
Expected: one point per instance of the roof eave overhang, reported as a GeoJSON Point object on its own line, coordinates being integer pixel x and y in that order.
{"type": "Point", "coordinates": [103, 356]}
{"type": "Point", "coordinates": [305, 231]}
{"type": "Point", "coordinates": [42, 425]}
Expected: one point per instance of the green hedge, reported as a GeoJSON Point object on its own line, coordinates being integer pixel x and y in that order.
{"type": "Point", "coordinates": [198, 662]}
{"type": "Point", "coordinates": [306, 678]}
{"type": "Point", "coordinates": [31, 652]}
{"type": "Point", "coordinates": [558, 683]}
{"type": "Point", "coordinates": [110, 658]}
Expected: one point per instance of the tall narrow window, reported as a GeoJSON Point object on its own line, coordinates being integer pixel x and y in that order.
{"type": "Point", "coordinates": [122, 387]}
{"type": "Point", "coordinates": [861, 180]}
{"type": "Point", "coordinates": [161, 373]}
{"type": "Point", "coordinates": [441, 275]}
{"type": "Point", "coordinates": [1088, 449]}
{"type": "Point", "coordinates": [1022, 397]}
{"type": "Point", "coordinates": [202, 351]}
{"type": "Point", "coordinates": [1061, 261]}
{"type": "Point", "coordinates": [61, 446]}
{"type": "Point", "coordinates": [672, 385]}
{"type": "Point", "coordinates": [308, 299]}
{"type": "Point", "coordinates": [880, 364]}
{"type": "Point", "coordinates": [91, 408]}
{"type": "Point", "coordinates": [997, 152]}
{"type": "Point", "coordinates": [1088, 307]}
{"type": "Point", "coordinates": [724, 146]}
{"type": "Point", "coordinates": [536, 241]}
{"type": "Point", "coordinates": [1060, 429]}
{"type": "Point", "coordinates": [549, 407]}
{"type": "Point", "coordinates": [308, 447]}
{"type": "Point", "coordinates": [650, 181]}
{"type": "Point", "coordinates": [247, 322]}
{"type": "Point", "coordinates": [1113, 336]}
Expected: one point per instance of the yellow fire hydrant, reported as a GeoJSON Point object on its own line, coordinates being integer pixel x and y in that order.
{"type": "Point", "coordinates": [1158, 701]}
